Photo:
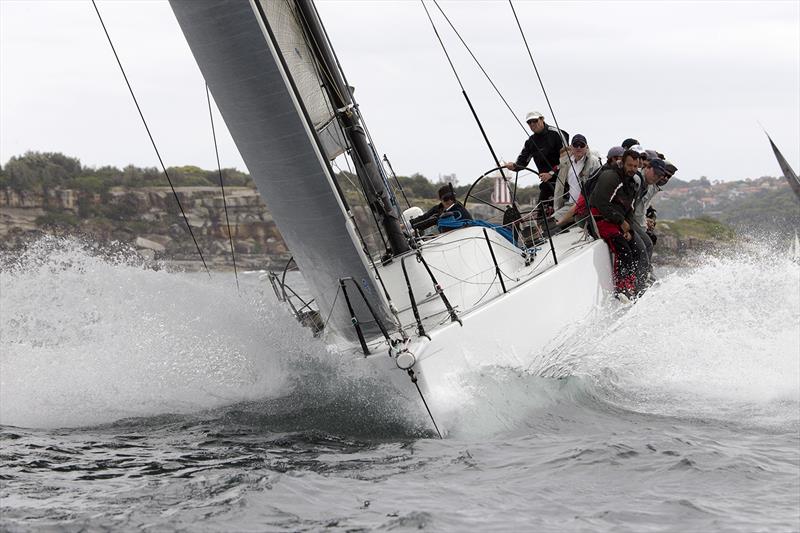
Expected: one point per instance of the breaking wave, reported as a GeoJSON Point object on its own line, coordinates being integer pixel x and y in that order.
{"type": "Point", "coordinates": [720, 341]}
{"type": "Point", "coordinates": [90, 336]}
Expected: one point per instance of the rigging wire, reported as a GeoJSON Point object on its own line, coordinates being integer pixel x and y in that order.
{"type": "Point", "coordinates": [536, 146]}
{"type": "Point", "coordinates": [550, 107]}
{"type": "Point", "coordinates": [152, 141]}
{"type": "Point", "coordinates": [463, 91]}
{"type": "Point", "coordinates": [424, 402]}
{"type": "Point", "coordinates": [486, 74]}
{"type": "Point", "coordinates": [222, 187]}
{"type": "Point", "coordinates": [322, 68]}
{"type": "Point", "coordinates": [397, 180]}
{"type": "Point", "coordinates": [530, 55]}
{"type": "Point", "coordinates": [327, 79]}
{"type": "Point", "coordinates": [352, 96]}
{"type": "Point", "coordinates": [333, 306]}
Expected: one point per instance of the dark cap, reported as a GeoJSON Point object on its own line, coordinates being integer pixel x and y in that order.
{"type": "Point", "coordinates": [579, 140]}
{"type": "Point", "coordinates": [615, 151]}
{"type": "Point", "coordinates": [671, 169]}
{"type": "Point", "coordinates": [446, 192]}
{"type": "Point", "coordinates": [659, 166]}
{"type": "Point", "coordinates": [627, 143]}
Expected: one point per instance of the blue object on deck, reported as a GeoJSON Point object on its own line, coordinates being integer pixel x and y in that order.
{"type": "Point", "coordinates": [454, 223]}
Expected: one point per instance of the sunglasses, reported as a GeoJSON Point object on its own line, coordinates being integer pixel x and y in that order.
{"type": "Point", "coordinates": [579, 145]}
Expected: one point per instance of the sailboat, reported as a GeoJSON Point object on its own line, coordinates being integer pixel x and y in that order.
{"type": "Point", "coordinates": [794, 183]}
{"type": "Point", "coordinates": [420, 310]}
{"type": "Point", "coordinates": [788, 172]}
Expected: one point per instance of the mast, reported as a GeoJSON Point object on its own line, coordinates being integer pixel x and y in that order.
{"type": "Point", "coordinates": [367, 163]}
{"type": "Point", "coordinates": [255, 58]}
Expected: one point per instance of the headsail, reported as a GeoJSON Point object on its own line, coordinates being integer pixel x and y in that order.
{"type": "Point", "coordinates": [788, 173]}
{"type": "Point", "coordinates": [275, 115]}
{"type": "Point", "coordinates": [284, 20]}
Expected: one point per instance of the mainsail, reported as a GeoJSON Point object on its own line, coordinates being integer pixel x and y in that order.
{"type": "Point", "coordinates": [255, 60]}
{"type": "Point", "coordinates": [788, 173]}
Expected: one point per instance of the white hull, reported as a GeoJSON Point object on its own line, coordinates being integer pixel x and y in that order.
{"type": "Point", "coordinates": [544, 301]}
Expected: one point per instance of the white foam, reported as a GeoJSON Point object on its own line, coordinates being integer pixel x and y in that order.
{"type": "Point", "coordinates": [88, 339]}
{"type": "Point", "coordinates": [718, 338]}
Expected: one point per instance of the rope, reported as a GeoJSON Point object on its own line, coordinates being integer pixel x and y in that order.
{"type": "Point", "coordinates": [222, 187]}
{"type": "Point", "coordinates": [141, 115]}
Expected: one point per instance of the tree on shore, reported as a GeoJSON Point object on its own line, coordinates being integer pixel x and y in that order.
{"type": "Point", "coordinates": [41, 172]}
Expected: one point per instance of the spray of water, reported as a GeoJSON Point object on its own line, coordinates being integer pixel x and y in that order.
{"type": "Point", "coordinates": [89, 337]}
{"type": "Point", "coordinates": [719, 341]}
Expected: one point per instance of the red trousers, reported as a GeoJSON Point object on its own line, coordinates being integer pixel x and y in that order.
{"type": "Point", "coordinates": [627, 255]}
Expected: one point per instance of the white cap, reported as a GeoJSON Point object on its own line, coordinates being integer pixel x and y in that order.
{"type": "Point", "coordinates": [637, 148]}
{"type": "Point", "coordinates": [533, 115]}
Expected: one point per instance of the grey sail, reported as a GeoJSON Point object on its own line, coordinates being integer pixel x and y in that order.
{"type": "Point", "coordinates": [788, 173]}
{"type": "Point", "coordinates": [284, 22]}
{"type": "Point", "coordinates": [277, 118]}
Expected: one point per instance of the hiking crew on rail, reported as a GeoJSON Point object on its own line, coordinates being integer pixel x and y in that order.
{"type": "Point", "coordinates": [619, 192]}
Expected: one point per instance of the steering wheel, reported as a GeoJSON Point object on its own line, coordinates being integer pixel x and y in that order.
{"type": "Point", "coordinates": [472, 194]}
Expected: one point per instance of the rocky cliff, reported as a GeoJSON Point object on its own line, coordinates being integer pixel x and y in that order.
{"type": "Point", "coordinates": [148, 218]}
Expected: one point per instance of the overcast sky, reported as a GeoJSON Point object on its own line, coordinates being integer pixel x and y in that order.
{"type": "Point", "coordinates": [690, 79]}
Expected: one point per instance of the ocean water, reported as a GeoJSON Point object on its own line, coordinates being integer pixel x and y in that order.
{"type": "Point", "coordinates": [133, 398]}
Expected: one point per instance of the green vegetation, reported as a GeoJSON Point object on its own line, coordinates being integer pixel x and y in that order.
{"type": "Point", "coordinates": [764, 210]}
{"type": "Point", "coordinates": [750, 206]}
{"type": "Point", "coordinates": [743, 207]}
{"type": "Point", "coordinates": [703, 228]}
{"type": "Point", "coordinates": [42, 172]}
{"type": "Point", "coordinates": [58, 219]}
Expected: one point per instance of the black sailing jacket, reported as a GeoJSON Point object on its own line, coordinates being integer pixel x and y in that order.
{"type": "Point", "coordinates": [432, 215]}
{"type": "Point", "coordinates": [613, 195]}
{"type": "Point", "coordinates": [544, 147]}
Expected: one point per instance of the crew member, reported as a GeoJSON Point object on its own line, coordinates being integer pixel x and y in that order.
{"type": "Point", "coordinates": [544, 146]}
{"type": "Point", "coordinates": [448, 206]}
{"type": "Point", "coordinates": [611, 204]}
{"type": "Point", "coordinates": [613, 160]}
{"type": "Point", "coordinates": [654, 171]}
{"type": "Point", "coordinates": [575, 167]}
